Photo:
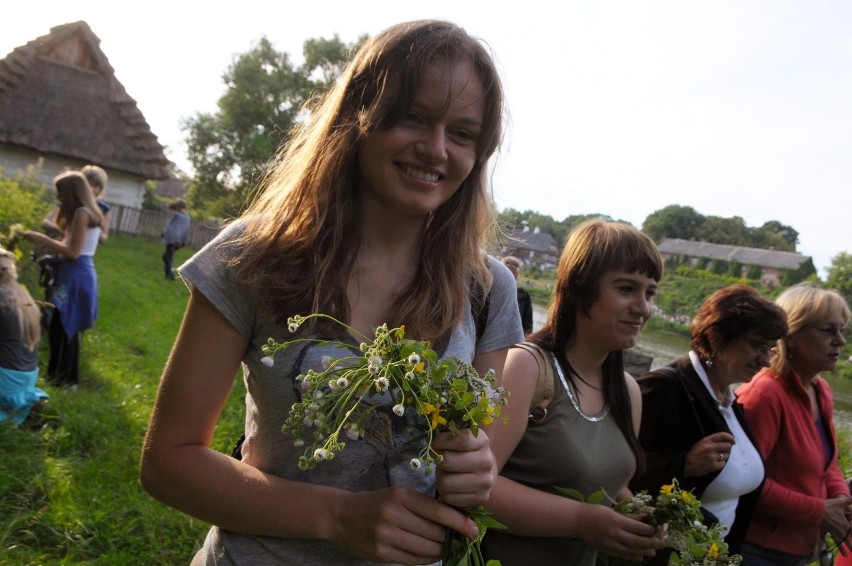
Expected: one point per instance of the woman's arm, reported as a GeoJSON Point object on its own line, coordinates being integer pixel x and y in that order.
{"type": "Point", "coordinates": [179, 467]}
{"type": "Point", "coordinates": [105, 227]}
{"type": "Point", "coordinates": [49, 223]}
{"type": "Point", "coordinates": [531, 512]}
{"type": "Point", "coordinates": [72, 244]}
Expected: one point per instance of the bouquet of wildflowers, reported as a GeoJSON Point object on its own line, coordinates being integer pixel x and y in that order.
{"type": "Point", "coordinates": [694, 543]}
{"type": "Point", "coordinates": [10, 240]}
{"type": "Point", "coordinates": [447, 395]}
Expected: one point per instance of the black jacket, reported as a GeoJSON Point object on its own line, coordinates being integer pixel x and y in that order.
{"type": "Point", "coordinates": [677, 412]}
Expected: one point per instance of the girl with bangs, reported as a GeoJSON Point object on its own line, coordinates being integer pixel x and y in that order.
{"type": "Point", "coordinates": [586, 439]}
{"type": "Point", "coordinates": [376, 212]}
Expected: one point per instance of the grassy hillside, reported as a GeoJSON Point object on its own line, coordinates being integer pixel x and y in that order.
{"type": "Point", "coordinates": [69, 492]}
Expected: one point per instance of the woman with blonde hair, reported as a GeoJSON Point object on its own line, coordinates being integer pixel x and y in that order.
{"type": "Point", "coordinates": [790, 410]}
{"type": "Point", "coordinates": [76, 296]}
{"type": "Point", "coordinates": [587, 437]}
{"type": "Point", "coordinates": [20, 330]}
{"type": "Point", "coordinates": [376, 212]}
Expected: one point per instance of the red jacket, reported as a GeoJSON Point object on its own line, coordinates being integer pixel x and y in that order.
{"type": "Point", "coordinates": [797, 484]}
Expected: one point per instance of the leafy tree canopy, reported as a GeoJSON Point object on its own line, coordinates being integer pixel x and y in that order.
{"type": "Point", "coordinates": [684, 222]}
{"type": "Point", "coordinates": [840, 275]}
{"type": "Point", "coordinates": [265, 96]}
{"type": "Point", "coordinates": [673, 221]}
{"type": "Point", "coordinates": [511, 219]}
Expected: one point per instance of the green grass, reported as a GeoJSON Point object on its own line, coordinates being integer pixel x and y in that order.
{"type": "Point", "coordinates": [69, 492]}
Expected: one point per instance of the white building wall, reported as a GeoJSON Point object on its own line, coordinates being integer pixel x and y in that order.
{"type": "Point", "coordinates": [122, 188]}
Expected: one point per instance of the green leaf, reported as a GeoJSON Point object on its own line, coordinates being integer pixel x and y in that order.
{"type": "Point", "coordinates": [597, 497]}
{"type": "Point", "coordinates": [571, 493]}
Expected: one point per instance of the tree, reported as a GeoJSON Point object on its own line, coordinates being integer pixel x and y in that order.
{"type": "Point", "coordinates": [673, 221]}
{"type": "Point", "coordinates": [266, 95]}
{"type": "Point", "coordinates": [840, 275]}
{"type": "Point", "coordinates": [787, 233]}
{"type": "Point", "coordinates": [721, 230]}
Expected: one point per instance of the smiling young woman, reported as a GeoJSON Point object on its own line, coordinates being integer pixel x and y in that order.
{"type": "Point", "coordinates": [377, 212]}
{"type": "Point", "coordinates": [606, 280]}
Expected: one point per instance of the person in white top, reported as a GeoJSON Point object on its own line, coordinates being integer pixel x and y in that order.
{"type": "Point", "coordinates": [693, 430]}
{"type": "Point", "coordinates": [75, 296]}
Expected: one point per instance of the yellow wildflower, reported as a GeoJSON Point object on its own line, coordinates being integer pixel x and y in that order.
{"type": "Point", "coordinates": [667, 489]}
{"type": "Point", "coordinates": [434, 414]}
{"type": "Point", "coordinates": [713, 551]}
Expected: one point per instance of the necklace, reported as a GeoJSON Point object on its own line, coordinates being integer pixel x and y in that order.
{"type": "Point", "coordinates": [593, 419]}
{"type": "Point", "coordinates": [580, 377]}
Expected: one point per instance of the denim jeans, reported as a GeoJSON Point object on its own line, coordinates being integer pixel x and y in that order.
{"type": "Point", "coordinates": [754, 555]}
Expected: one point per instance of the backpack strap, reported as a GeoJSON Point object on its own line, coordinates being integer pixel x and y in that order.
{"type": "Point", "coordinates": [480, 301]}
{"type": "Point", "coordinates": [544, 388]}
{"type": "Point", "coordinates": [479, 306]}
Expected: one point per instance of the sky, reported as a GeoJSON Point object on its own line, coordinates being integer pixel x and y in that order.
{"type": "Point", "coordinates": [618, 107]}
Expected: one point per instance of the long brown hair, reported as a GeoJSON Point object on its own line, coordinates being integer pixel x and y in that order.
{"type": "Point", "coordinates": [303, 229]}
{"type": "Point", "coordinates": [29, 315]}
{"type": "Point", "coordinates": [73, 192]}
{"type": "Point", "coordinates": [594, 248]}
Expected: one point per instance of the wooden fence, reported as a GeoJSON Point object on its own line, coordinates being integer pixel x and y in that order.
{"type": "Point", "coordinates": [149, 224]}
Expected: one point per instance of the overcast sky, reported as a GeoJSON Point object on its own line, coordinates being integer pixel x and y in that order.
{"type": "Point", "coordinates": [732, 107]}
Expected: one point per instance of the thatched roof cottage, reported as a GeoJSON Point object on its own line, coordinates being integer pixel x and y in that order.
{"type": "Point", "coordinates": [61, 103]}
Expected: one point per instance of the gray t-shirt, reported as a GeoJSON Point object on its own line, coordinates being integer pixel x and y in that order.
{"type": "Point", "coordinates": [381, 459]}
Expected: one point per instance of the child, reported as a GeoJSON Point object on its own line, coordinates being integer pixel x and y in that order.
{"type": "Point", "coordinates": [20, 330]}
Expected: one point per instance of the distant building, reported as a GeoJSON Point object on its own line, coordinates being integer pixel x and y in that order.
{"type": "Point", "coordinates": [60, 102]}
{"type": "Point", "coordinates": [532, 247]}
{"type": "Point", "coordinates": [771, 264]}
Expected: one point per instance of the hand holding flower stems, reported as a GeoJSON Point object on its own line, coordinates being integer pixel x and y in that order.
{"type": "Point", "coordinates": [679, 512]}
{"type": "Point", "coordinates": [443, 396]}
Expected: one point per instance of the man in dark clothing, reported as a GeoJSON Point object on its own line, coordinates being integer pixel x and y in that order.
{"type": "Point", "coordinates": [524, 300]}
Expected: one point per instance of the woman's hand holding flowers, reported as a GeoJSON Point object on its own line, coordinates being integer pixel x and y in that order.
{"type": "Point", "coordinates": [396, 525]}
{"type": "Point", "coordinates": [836, 523]}
{"type": "Point", "coordinates": [468, 470]}
{"type": "Point", "coordinates": [445, 399]}
{"type": "Point", "coordinates": [618, 535]}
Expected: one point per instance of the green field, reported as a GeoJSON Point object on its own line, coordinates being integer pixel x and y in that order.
{"type": "Point", "coordinates": [69, 491]}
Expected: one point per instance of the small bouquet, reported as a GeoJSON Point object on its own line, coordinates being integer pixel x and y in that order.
{"type": "Point", "coordinates": [694, 543]}
{"type": "Point", "coordinates": [679, 511]}
{"type": "Point", "coordinates": [447, 395]}
{"type": "Point", "coordinates": [10, 240]}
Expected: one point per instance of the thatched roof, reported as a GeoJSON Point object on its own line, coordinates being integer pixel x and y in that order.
{"type": "Point", "coordinates": [746, 256]}
{"type": "Point", "coordinates": [59, 95]}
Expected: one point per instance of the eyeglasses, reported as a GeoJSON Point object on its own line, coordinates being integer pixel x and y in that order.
{"type": "Point", "coordinates": [761, 347]}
